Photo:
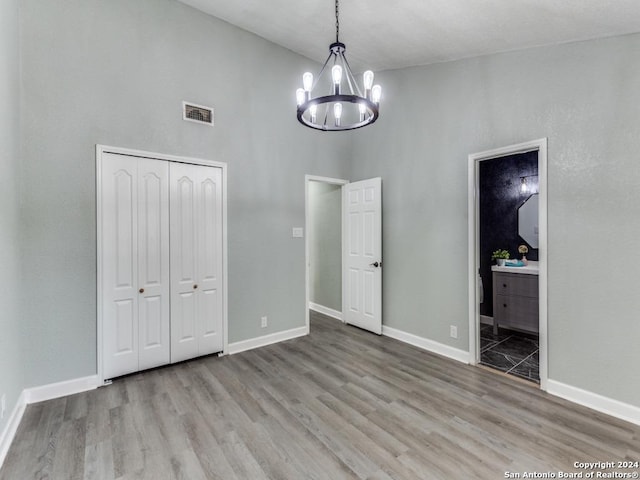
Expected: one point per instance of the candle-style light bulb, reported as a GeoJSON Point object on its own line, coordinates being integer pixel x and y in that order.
{"type": "Point", "coordinates": [363, 110]}
{"type": "Point", "coordinates": [307, 81]}
{"type": "Point", "coordinates": [367, 78]}
{"type": "Point", "coordinates": [300, 96]}
{"type": "Point", "coordinates": [376, 93]}
{"type": "Point", "coordinates": [337, 112]}
{"type": "Point", "coordinates": [312, 111]}
{"type": "Point", "coordinates": [336, 74]}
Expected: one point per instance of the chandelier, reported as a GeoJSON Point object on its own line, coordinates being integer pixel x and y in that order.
{"type": "Point", "coordinates": [341, 109]}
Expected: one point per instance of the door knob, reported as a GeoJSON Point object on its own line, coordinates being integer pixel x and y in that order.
{"type": "Point", "coordinates": [376, 264]}
{"type": "Point", "coordinates": [141, 290]}
{"type": "Point", "coordinates": [195, 286]}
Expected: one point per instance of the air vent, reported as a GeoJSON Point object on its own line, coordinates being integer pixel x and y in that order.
{"type": "Point", "coordinates": [197, 113]}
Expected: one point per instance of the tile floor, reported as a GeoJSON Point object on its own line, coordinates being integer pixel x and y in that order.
{"type": "Point", "coordinates": [513, 352]}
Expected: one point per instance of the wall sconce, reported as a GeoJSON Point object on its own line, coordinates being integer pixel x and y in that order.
{"type": "Point", "coordinates": [527, 186]}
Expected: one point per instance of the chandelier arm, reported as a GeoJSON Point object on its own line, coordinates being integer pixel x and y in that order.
{"type": "Point", "coordinates": [316, 79]}
{"type": "Point", "coordinates": [349, 76]}
{"type": "Point", "coordinates": [349, 73]}
{"type": "Point", "coordinates": [326, 115]}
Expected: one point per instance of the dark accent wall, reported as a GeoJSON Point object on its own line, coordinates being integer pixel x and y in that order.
{"type": "Point", "coordinates": [500, 196]}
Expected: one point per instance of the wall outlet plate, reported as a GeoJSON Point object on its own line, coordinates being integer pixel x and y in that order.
{"type": "Point", "coordinates": [297, 232]}
{"type": "Point", "coordinates": [264, 322]}
{"type": "Point", "coordinates": [453, 331]}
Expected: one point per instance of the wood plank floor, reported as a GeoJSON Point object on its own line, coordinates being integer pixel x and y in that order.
{"type": "Point", "coordinates": [339, 404]}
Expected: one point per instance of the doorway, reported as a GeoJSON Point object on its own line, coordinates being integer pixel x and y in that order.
{"type": "Point", "coordinates": [323, 246]}
{"type": "Point", "coordinates": [508, 304]}
{"type": "Point", "coordinates": [349, 240]}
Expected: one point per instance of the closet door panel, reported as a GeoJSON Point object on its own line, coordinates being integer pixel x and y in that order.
{"type": "Point", "coordinates": [184, 331]}
{"type": "Point", "coordinates": [184, 264]}
{"type": "Point", "coordinates": [211, 327]}
{"type": "Point", "coordinates": [153, 263]}
{"type": "Point", "coordinates": [124, 321]}
{"type": "Point", "coordinates": [210, 259]}
{"type": "Point", "coordinates": [119, 265]}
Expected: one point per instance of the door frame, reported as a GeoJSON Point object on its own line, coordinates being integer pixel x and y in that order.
{"type": "Point", "coordinates": [540, 146]}
{"type": "Point", "coordinates": [101, 150]}
{"type": "Point", "coordinates": [307, 223]}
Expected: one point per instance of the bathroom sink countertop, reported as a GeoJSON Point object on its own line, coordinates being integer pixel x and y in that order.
{"type": "Point", "coordinates": [530, 269]}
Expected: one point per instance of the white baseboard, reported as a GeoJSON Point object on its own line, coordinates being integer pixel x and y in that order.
{"type": "Point", "coordinates": [609, 406]}
{"type": "Point", "coordinates": [265, 340]}
{"type": "Point", "coordinates": [40, 394]}
{"type": "Point", "coordinates": [60, 389]}
{"type": "Point", "coordinates": [485, 319]}
{"type": "Point", "coordinates": [329, 312]}
{"type": "Point", "coordinates": [426, 344]}
{"type": "Point", "coordinates": [10, 429]}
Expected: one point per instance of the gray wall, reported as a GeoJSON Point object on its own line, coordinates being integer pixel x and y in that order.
{"type": "Point", "coordinates": [11, 375]}
{"type": "Point", "coordinates": [584, 97]}
{"type": "Point", "coordinates": [115, 72]}
{"type": "Point", "coordinates": [325, 245]}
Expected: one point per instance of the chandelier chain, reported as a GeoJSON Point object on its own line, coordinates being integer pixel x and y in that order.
{"type": "Point", "coordinates": [337, 23]}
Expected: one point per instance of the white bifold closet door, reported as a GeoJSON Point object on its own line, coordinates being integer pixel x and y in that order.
{"type": "Point", "coordinates": [196, 260]}
{"type": "Point", "coordinates": [135, 264]}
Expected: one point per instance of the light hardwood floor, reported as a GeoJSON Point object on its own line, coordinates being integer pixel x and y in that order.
{"type": "Point", "coordinates": [339, 404]}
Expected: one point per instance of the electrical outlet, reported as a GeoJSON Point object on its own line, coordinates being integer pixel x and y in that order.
{"type": "Point", "coordinates": [263, 322]}
{"type": "Point", "coordinates": [3, 405]}
{"type": "Point", "coordinates": [453, 331]}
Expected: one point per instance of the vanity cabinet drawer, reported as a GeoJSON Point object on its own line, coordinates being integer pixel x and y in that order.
{"type": "Point", "coordinates": [518, 312]}
{"type": "Point", "coordinates": [515, 284]}
{"type": "Point", "coordinates": [515, 301]}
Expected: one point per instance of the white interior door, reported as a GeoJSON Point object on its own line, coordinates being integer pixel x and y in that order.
{"type": "Point", "coordinates": [362, 254]}
{"type": "Point", "coordinates": [120, 267]}
{"type": "Point", "coordinates": [210, 314]}
{"type": "Point", "coordinates": [153, 263]}
{"type": "Point", "coordinates": [196, 261]}
{"type": "Point", "coordinates": [135, 264]}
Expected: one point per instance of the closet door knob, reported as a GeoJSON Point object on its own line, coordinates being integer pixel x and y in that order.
{"type": "Point", "coordinates": [141, 290]}
{"type": "Point", "coordinates": [195, 286]}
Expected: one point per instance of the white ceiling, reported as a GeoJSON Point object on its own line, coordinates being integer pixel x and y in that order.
{"type": "Point", "coordinates": [383, 34]}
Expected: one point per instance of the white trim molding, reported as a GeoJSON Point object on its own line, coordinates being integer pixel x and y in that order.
{"type": "Point", "coordinates": [329, 312]}
{"type": "Point", "coordinates": [10, 429]}
{"type": "Point", "coordinates": [40, 394]}
{"type": "Point", "coordinates": [309, 232]}
{"type": "Point", "coordinates": [426, 344]}
{"type": "Point", "coordinates": [474, 159]}
{"type": "Point", "coordinates": [61, 389]}
{"type": "Point", "coordinates": [244, 345]}
{"type": "Point", "coordinates": [600, 403]}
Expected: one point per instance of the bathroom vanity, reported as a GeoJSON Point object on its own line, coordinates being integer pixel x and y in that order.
{"type": "Point", "coordinates": [515, 297]}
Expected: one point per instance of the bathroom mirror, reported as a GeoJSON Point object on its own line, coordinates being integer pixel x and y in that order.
{"type": "Point", "coordinates": [528, 221]}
